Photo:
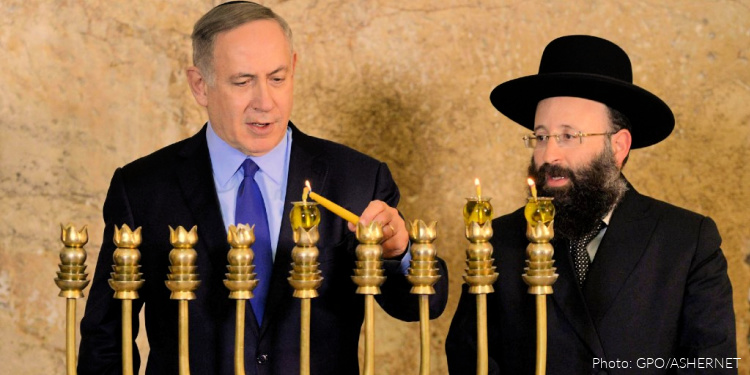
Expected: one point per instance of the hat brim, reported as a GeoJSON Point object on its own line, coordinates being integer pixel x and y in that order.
{"type": "Point", "coordinates": [651, 119]}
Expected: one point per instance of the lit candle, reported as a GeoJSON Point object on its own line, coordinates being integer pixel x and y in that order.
{"type": "Point", "coordinates": [333, 207]}
{"type": "Point", "coordinates": [477, 209]}
{"type": "Point", "coordinates": [305, 191]}
{"type": "Point", "coordinates": [532, 186]}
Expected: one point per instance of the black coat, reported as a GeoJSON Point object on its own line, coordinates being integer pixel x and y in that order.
{"type": "Point", "coordinates": [657, 289]}
{"type": "Point", "coordinates": [174, 186]}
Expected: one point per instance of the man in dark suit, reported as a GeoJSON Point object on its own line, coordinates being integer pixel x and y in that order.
{"type": "Point", "coordinates": [243, 75]}
{"type": "Point", "coordinates": [649, 292]}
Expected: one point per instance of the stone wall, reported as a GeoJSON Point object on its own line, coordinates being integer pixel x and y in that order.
{"type": "Point", "coordinates": [88, 86]}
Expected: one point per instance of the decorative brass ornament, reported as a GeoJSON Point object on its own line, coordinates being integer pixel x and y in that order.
{"type": "Point", "coordinates": [539, 274]}
{"type": "Point", "coordinates": [182, 281]}
{"type": "Point", "coordinates": [71, 279]}
{"type": "Point", "coordinates": [480, 270]}
{"type": "Point", "coordinates": [369, 276]}
{"type": "Point", "coordinates": [305, 277]}
{"type": "Point", "coordinates": [423, 274]}
{"type": "Point", "coordinates": [241, 282]}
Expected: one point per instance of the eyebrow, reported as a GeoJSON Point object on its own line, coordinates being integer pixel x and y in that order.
{"type": "Point", "coordinates": [563, 126]}
{"type": "Point", "coordinates": [248, 75]}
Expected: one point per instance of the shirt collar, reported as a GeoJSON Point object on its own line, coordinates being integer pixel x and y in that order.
{"type": "Point", "coordinates": [226, 160]}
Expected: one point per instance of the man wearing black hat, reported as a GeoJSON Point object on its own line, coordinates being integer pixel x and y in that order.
{"type": "Point", "coordinates": [643, 285]}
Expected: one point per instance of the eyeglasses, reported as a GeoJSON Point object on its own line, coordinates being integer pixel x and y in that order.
{"type": "Point", "coordinates": [564, 140]}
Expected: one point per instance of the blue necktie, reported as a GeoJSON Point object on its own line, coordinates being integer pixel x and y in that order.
{"type": "Point", "coordinates": [251, 210]}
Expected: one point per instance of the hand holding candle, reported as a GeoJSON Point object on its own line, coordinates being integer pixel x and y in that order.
{"type": "Point", "coordinates": [333, 207]}
{"type": "Point", "coordinates": [395, 239]}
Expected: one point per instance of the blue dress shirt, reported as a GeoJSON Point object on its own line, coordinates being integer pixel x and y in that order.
{"type": "Point", "coordinates": [271, 178]}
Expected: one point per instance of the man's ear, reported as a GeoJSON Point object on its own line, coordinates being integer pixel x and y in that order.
{"type": "Point", "coordinates": [294, 62]}
{"type": "Point", "coordinates": [198, 85]}
{"type": "Point", "coordinates": [621, 142]}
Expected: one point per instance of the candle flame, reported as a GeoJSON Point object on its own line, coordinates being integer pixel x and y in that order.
{"type": "Point", "coordinates": [532, 186]}
{"type": "Point", "coordinates": [479, 188]}
{"type": "Point", "coordinates": [306, 191]}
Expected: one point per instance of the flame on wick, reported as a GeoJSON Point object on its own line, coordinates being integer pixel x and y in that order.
{"type": "Point", "coordinates": [532, 186]}
{"type": "Point", "coordinates": [306, 191]}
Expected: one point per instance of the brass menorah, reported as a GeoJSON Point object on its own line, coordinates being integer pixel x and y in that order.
{"type": "Point", "coordinates": [540, 274]}
{"type": "Point", "coordinates": [305, 277]}
{"type": "Point", "coordinates": [480, 270]}
{"type": "Point", "coordinates": [71, 279]}
{"type": "Point", "coordinates": [241, 282]}
{"type": "Point", "coordinates": [369, 276]}
{"type": "Point", "coordinates": [126, 280]}
{"type": "Point", "coordinates": [423, 274]}
{"type": "Point", "coordinates": [183, 281]}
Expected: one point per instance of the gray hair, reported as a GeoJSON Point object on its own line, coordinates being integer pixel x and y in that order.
{"type": "Point", "coordinates": [225, 17]}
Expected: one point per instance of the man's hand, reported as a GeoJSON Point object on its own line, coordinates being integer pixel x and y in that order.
{"type": "Point", "coordinates": [395, 236]}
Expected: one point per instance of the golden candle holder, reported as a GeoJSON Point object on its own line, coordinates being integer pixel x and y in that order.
{"type": "Point", "coordinates": [182, 281]}
{"type": "Point", "coordinates": [241, 282]}
{"type": "Point", "coordinates": [71, 279]}
{"type": "Point", "coordinates": [125, 281]}
{"type": "Point", "coordinates": [423, 274]}
{"type": "Point", "coordinates": [305, 276]}
{"type": "Point", "coordinates": [480, 270]}
{"type": "Point", "coordinates": [369, 275]}
{"type": "Point", "coordinates": [540, 274]}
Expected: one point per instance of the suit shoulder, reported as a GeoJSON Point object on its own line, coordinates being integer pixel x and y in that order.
{"type": "Point", "coordinates": [158, 163]}
{"type": "Point", "coordinates": [669, 210]}
{"type": "Point", "coordinates": [339, 152]}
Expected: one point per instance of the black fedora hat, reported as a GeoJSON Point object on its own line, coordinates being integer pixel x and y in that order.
{"type": "Point", "coordinates": [592, 68]}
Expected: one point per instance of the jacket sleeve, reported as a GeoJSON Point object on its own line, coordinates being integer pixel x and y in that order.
{"type": "Point", "coordinates": [708, 322]}
{"type": "Point", "coordinates": [395, 297]}
{"type": "Point", "coordinates": [101, 349]}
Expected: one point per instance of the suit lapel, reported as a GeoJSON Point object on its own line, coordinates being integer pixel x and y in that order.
{"type": "Point", "coordinates": [621, 248]}
{"type": "Point", "coordinates": [304, 164]}
{"type": "Point", "coordinates": [569, 299]}
{"type": "Point", "coordinates": [194, 174]}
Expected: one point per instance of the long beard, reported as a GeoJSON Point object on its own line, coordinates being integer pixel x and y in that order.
{"type": "Point", "coordinates": [592, 191]}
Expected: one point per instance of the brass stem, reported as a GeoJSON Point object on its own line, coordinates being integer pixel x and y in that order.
{"type": "Point", "coordinates": [239, 339]}
{"type": "Point", "coordinates": [541, 334]}
{"type": "Point", "coordinates": [304, 338]}
{"type": "Point", "coordinates": [424, 331]}
{"type": "Point", "coordinates": [127, 337]}
{"type": "Point", "coordinates": [70, 335]}
{"type": "Point", "coordinates": [482, 357]}
{"type": "Point", "coordinates": [183, 338]}
{"type": "Point", "coordinates": [369, 335]}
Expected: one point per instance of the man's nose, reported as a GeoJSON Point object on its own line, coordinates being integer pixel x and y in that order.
{"type": "Point", "coordinates": [261, 100]}
{"type": "Point", "coordinates": [551, 153]}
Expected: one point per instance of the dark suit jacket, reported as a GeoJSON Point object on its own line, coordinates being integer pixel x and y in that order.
{"type": "Point", "coordinates": [657, 289]}
{"type": "Point", "coordinates": [174, 186]}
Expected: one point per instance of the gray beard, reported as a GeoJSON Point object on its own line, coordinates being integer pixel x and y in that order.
{"type": "Point", "coordinates": [592, 191]}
